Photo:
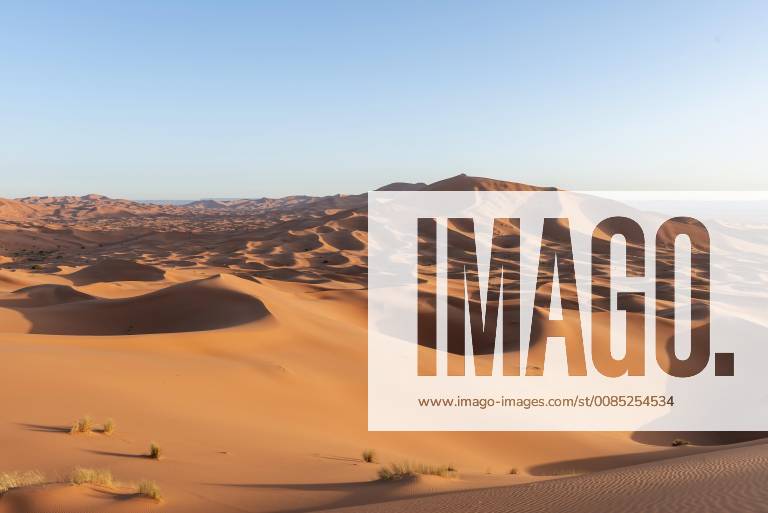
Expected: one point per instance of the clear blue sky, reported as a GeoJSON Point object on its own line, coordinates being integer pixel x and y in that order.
{"type": "Point", "coordinates": [163, 99]}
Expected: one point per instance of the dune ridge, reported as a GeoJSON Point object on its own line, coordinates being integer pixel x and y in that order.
{"type": "Point", "coordinates": [113, 269]}
{"type": "Point", "coordinates": [217, 302]}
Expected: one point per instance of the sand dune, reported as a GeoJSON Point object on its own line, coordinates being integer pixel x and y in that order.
{"type": "Point", "coordinates": [464, 182]}
{"type": "Point", "coordinates": [212, 303]}
{"type": "Point", "coordinates": [112, 269]}
{"type": "Point", "coordinates": [729, 480]}
{"type": "Point", "coordinates": [44, 295]}
{"type": "Point", "coordinates": [233, 332]}
{"type": "Point", "coordinates": [11, 210]}
{"type": "Point", "coordinates": [12, 280]}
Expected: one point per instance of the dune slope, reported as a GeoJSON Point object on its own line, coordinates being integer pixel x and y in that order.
{"type": "Point", "coordinates": [217, 302]}
{"type": "Point", "coordinates": [729, 480]}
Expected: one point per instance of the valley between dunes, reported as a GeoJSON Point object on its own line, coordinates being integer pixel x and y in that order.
{"type": "Point", "coordinates": [236, 341]}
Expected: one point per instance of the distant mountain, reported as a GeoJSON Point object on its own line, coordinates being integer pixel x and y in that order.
{"type": "Point", "coordinates": [463, 182]}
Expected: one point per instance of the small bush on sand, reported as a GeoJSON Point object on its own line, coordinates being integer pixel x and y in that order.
{"type": "Point", "coordinates": [104, 479]}
{"type": "Point", "coordinates": [150, 489]}
{"type": "Point", "coordinates": [677, 442]}
{"type": "Point", "coordinates": [369, 456]}
{"type": "Point", "coordinates": [82, 425]}
{"type": "Point", "coordinates": [17, 479]}
{"type": "Point", "coordinates": [109, 427]}
{"type": "Point", "coordinates": [155, 452]}
{"type": "Point", "coordinates": [396, 471]}
{"type": "Point", "coordinates": [98, 477]}
{"type": "Point", "coordinates": [513, 471]}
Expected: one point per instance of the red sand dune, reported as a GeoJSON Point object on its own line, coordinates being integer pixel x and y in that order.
{"type": "Point", "coordinates": [233, 333]}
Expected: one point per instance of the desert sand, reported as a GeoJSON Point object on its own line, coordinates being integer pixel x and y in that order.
{"type": "Point", "coordinates": [233, 335]}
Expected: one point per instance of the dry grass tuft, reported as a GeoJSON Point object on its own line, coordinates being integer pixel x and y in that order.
{"type": "Point", "coordinates": [98, 477]}
{"type": "Point", "coordinates": [82, 425]}
{"type": "Point", "coordinates": [103, 478]}
{"type": "Point", "coordinates": [79, 476]}
{"type": "Point", "coordinates": [513, 471]}
{"type": "Point", "coordinates": [396, 471]}
{"type": "Point", "coordinates": [677, 442]}
{"type": "Point", "coordinates": [369, 456]}
{"type": "Point", "coordinates": [155, 452]}
{"type": "Point", "coordinates": [18, 479]}
{"type": "Point", "coordinates": [150, 489]}
{"type": "Point", "coordinates": [109, 427]}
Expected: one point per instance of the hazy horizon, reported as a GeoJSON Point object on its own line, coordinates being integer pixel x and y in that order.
{"type": "Point", "coordinates": [184, 200]}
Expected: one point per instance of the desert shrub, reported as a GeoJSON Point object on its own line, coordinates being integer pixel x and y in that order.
{"type": "Point", "coordinates": [150, 489]}
{"type": "Point", "coordinates": [155, 452]}
{"type": "Point", "coordinates": [82, 425]}
{"type": "Point", "coordinates": [513, 471]}
{"type": "Point", "coordinates": [109, 426]}
{"type": "Point", "coordinates": [677, 442]}
{"type": "Point", "coordinates": [98, 477]}
{"type": "Point", "coordinates": [369, 456]}
{"type": "Point", "coordinates": [18, 479]}
{"type": "Point", "coordinates": [397, 471]}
